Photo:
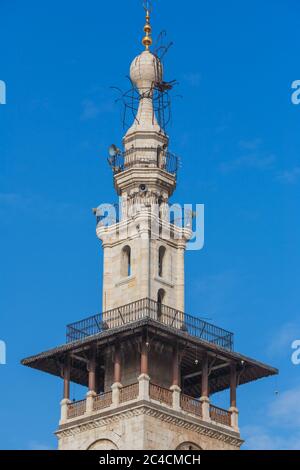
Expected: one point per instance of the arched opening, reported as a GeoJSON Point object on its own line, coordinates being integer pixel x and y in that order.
{"type": "Point", "coordinates": [160, 298]}
{"type": "Point", "coordinates": [103, 444]}
{"type": "Point", "coordinates": [126, 261]}
{"type": "Point", "coordinates": [188, 446]}
{"type": "Point", "coordinates": [161, 261]}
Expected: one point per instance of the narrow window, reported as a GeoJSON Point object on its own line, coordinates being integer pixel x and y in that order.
{"type": "Point", "coordinates": [126, 262]}
{"type": "Point", "coordinates": [161, 257]}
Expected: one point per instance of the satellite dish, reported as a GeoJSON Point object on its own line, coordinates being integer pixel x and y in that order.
{"type": "Point", "coordinates": [113, 151]}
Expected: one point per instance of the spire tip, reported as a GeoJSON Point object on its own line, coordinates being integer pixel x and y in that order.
{"type": "Point", "coordinates": [147, 39]}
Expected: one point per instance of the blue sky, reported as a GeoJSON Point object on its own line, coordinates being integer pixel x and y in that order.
{"type": "Point", "coordinates": [237, 133]}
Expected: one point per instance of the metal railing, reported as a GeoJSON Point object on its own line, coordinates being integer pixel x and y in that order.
{"type": "Point", "coordinates": [219, 415]}
{"type": "Point", "coordinates": [104, 400]}
{"type": "Point", "coordinates": [129, 392]}
{"type": "Point", "coordinates": [156, 392]}
{"type": "Point", "coordinates": [148, 308]}
{"type": "Point", "coordinates": [163, 395]}
{"type": "Point", "coordinates": [191, 405]}
{"type": "Point", "coordinates": [145, 157]}
{"type": "Point", "coordinates": [76, 408]}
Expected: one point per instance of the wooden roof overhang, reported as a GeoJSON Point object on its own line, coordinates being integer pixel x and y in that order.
{"type": "Point", "coordinates": [191, 349]}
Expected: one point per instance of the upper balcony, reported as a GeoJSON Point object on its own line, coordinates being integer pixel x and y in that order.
{"type": "Point", "coordinates": [144, 391]}
{"type": "Point", "coordinates": [148, 308]}
{"type": "Point", "coordinates": [144, 157]}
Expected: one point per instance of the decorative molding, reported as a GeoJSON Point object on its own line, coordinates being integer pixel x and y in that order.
{"type": "Point", "coordinates": [163, 281]}
{"type": "Point", "coordinates": [126, 280]}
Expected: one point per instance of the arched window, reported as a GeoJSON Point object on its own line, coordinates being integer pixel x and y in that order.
{"type": "Point", "coordinates": [160, 298]}
{"type": "Point", "coordinates": [126, 261]}
{"type": "Point", "coordinates": [103, 444]}
{"type": "Point", "coordinates": [188, 446]}
{"type": "Point", "coordinates": [161, 260]}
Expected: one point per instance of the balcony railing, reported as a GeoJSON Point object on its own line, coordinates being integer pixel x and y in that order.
{"type": "Point", "coordinates": [163, 395]}
{"type": "Point", "coordinates": [219, 415]}
{"type": "Point", "coordinates": [128, 393]}
{"type": "Point", "coordinates": [147, 308]}
{"type": "Point", "coordinates": [104, 400]}
{"type": "Point", "coordinates": [77, 408]}
{"type": "Point", "coordinates": [190, 404]}
{"type": "Point", "coordinates": [157, 393]}
{"type": "Point", "coordinates": [145, 157]}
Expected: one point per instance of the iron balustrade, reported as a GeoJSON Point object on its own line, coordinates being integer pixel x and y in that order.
{"type": "Point", "coordinates": [103, 400]}
{"type": "Point", "coordinates": [76, 408]}
{"type": "Point", "coordinates": [190, 404]}
{"type": "Point", "coordinates": [219, 415]}
{"type": "Point", "coordinates": [156, 392]}
{"type": "Point", "coordinates": [145, 157]}
{"type": "Point", "coordinates": [129, 392]}
{"type": "Point", "coordinates": [161, 394]}
{"type": "Point", "coordinates": [148, 308]}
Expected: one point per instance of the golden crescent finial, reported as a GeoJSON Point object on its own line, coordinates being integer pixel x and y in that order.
{"type": "Point", "coordinates": [147, 39]}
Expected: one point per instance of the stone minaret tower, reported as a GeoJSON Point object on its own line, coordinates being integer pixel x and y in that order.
{"type": "Point", "coordinates": [150, 369]}
{"type": "Point", "coordinates": [143, 257]}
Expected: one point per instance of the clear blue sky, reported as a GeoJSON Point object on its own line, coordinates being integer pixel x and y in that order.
{"type": "Point", "coordinates": [238, 136]}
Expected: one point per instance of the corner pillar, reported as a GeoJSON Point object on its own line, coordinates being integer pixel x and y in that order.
{"type": "Point", "coordinates": [66, 391]}
{"type": "Point", "coordinates": [92, 370]}
{"type": "Point", "coordinates": [233, 402]}
{"type": "Point", "coordinates": [144, 357]}
{"type": "Point", "coordinates": [175, 388]}
{"type": "Point", "coordinates": [66, 377]}
{"type": "Point", "coordinates": [144, 379]}
{"type": "Point", "coordinates": [205, 389]}
{"type": "Point", "coordinates": [116, 386]}
{"type": "Point", "coordinates": [117, 365]}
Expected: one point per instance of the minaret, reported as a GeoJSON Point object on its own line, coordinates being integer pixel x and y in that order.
{"type": "Point", "coordinates": [144, 253]}
{"type": "Point", "coordinates": [150, 370]}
